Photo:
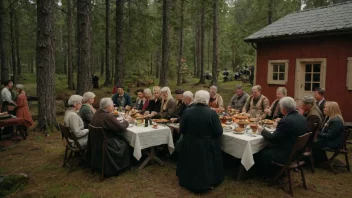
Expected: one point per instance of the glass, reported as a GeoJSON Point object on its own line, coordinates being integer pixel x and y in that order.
{"type": "Point", "coordinates": [316, 77]}
{"type": "Point", "coordinates": [308, 68]}
{"type": "Point", "coordinates": [281, 76]}
{"type": "Point", "coordinates": [316, 67]}
{"type": "Point", "coordinates": [282, 68]}
{"type": "Point", "coordinates": [307, 87]}
{"type": "Point", "coordinates": [275, 76]}
{"type": "Point", "coordinates": [308, 77]}
{"type": "Point", "coordinates": [275, 68]}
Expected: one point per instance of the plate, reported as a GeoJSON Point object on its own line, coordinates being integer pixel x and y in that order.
{"type": "Point", "coordinates": [160, 120]}
{"type": "Point", "coordinates": [238, 132]}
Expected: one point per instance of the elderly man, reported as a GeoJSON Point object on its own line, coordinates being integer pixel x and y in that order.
{"type": "Point", "coordinates": [179, 102]}
{"type": "Point", "coordinates": [312, 113]}
{"type": "Point", "coordinates": [116, 150]}
{"type": "Point", "coordinates": [257, 103]}
{"type": "Point", "coordinates": [320, 99]}
{"type": "Point", "coordinates": [187, 98]}
{"type": "Point", "coordinates": [121, 99]}
{"type": "Point", "coordinates": [239, 99]}
{"type": "Point", "coordinates": [215, 102]}
{"type": "Point", "coordinates": [274, 111]}
{"type": "Point", "coordinates": [284, 137]}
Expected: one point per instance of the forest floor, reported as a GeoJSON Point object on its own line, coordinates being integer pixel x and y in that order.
{"type": "Point", "coordinates": [41, 157]}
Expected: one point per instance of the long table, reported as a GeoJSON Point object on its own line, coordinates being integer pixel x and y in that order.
{"type": "Point", "coordinates": [16, 121]}
{"type": "Point", "coordinates": [140, 137]}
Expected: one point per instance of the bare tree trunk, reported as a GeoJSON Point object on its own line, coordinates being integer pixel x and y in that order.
{"type": "Point", "coordinates": [202, 80]}
{"type": "Point", "coordinates": [199, 49]}
{"type": "Point", "coordinates": [32, 64]}
{"type": "Point", "coordinates": [84, 76]}
{"type": "Point", "coordinates": [12, 39]}
{"type": "Point", "coordinates": [107, 44]}
{"type": "Point", "coordinates": [65, 65]}
{"type": "Point", "coordinates": [181, 47]}
{"type": "Point", "coordinates": [209, 36]}
{"type": "Point", "coordinates": [46, 65]}
{"type": "Point", "coordinates": [4, 66]}
{"type": "Point", "coordinates": [270, 11]}
{"type": "Point", "coordinates": [165, 44]}
{"type": "Point", "coordinates": [214, 80]}
{"type": "Point", "coordinates": [151, 64]}
{"type": "Point", "coordinates": [102, 64]}
{"type": "Point", "coordinates": [195, 53]}
{"type": "Point", "coordinates": [157, 64]}
{"type": "Point", "coordinates": [17, 35]}
{"type": "Point", "coordinates": [233, 57]}
{"type": "Point", "coordinates": [119, 43]}
{"type": "Point", "coordinates": [70, 85]}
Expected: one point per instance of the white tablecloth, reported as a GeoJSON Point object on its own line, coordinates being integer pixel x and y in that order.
{"type": "Point", "coordinates": [242, 146]}
{"type": "Point", "coordinates": [141, 137]}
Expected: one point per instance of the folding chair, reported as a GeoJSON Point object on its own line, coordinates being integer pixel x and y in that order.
{"type": "Point", "coordinates": [293, 162]}
{"type": "Point", "coordinates": [308, 153]}
{"type": "Point", "coordinates": [96, 133]}
{"type": "Point", "coordinates": [67, 134]}
{"type": "Point", "coordinates": [341, 150]}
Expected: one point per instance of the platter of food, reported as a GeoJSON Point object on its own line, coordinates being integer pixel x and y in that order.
{"type": "Point", "coordinates": [238, 130]}
{"type": "Point", "coordinates": [160, 120]}
{"type": "Point", "coordinates": [268, 122]}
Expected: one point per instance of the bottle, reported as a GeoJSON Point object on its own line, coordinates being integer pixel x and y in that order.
{"type": "Point", "coordinates": [145, 122]}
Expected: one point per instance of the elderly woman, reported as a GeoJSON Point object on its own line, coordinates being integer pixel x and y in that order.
{"type": "Point", "coordinates": [200, 164]}
{"type": "Point", "coordinates": [274, 111]}
{"type": "Point", "coordinates": [22, 109]}
{"type": "Point", "coordinates": [283, 138]}
{"type": "Point", "coordinates": [168, 104]}
{"type": "Point", "coordinates": [216, 102]}
{"type": "Point", "coordinates": [331, 133]}
{"type": "Point", "coordinates": [147, 95]}
{"type": "Point", "coordinates": [75, 122]}
{"type": "Point", "coordinates": [115, 148]}
{"type": "Point", "coordinates": [87, 110]}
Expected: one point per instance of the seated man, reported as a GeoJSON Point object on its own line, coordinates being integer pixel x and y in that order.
{"type": "Point", "coordinates": [283, 138]}
{"type": "Point", "coordinates": [239, 99]}
{"type": "Point", "coordinates": [216, 102]}
{"type": "Point", "coordinates": [116, 150]}
{"type": "Point", "coordinates": [312, 113]}
{"type": "Point", "coordinates": [274, 111]}
{"type": "Point", "coordinates": [187, 98]}
{"type": "Point", "coordinates": [256, 103]}
{"type": "Point", "coordinates": [121, 99]}
{"type": "Point", "coordinates": [320, 99]}
{"type": "Point", "coordinates": [179, 102]}
{"type": "Point", "coordinates": [140, 100]}
{"type": "Point", "coordinates": [75, 122]}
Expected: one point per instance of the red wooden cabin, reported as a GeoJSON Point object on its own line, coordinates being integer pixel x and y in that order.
{"type": "Point", "coordinates": [305, 50]}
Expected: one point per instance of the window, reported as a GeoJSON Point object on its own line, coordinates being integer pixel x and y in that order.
{"type": "Point", "coordinates": [312, 76]}
{"type": "Point", "coordinates": [349, 73]}
{"type": "Point", "coordinates": [277, 72]}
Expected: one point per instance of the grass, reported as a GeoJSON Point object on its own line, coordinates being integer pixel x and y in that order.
{"type": "Point", "coordinates": [41, 158]}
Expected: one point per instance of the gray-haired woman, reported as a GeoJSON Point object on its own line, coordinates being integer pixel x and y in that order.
{"type": "Point", "coordinates": [87, 110]}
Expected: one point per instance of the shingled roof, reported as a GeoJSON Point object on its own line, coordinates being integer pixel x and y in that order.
{"type": "Point", "coordinates": [335, 18]}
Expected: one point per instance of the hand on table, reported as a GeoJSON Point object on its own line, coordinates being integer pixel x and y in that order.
{"type": "Point", "coordinates": [260, 128]}
{"type": "Point", "coordinates": [173, 119]}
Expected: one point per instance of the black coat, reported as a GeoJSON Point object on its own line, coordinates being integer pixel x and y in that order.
{"type": "Point", "coordinates": [331, 135]}
{"type": "Point", "coordinates": [154, 106]}
{"type": "Point", "coordinates": [200, 161]}
{"type": "Point", "coordinates": [283, 138]}
{"type": "Point", "coordinates": [180, 109]}
{"type": "Point", "coordinates": [321, 107]}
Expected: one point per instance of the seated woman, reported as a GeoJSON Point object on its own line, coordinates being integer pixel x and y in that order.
{"type": "Point", "coordinates": [155, 102]}
{"type": "Point", "coordinates": [168, 104]}
{"type": "Point", "coordinates": [116, 150]}
{"type": "Point", "coordinates": [200, 164]}
{"type": "Point", "coordinates": [147, 95]}
{"type": "Point", "coordinates": [274, 111]}
{"type": "Point", "coordinates": [87, 110]}
{"type": "Point", "coordinates": [75, 122]}
{"type": "Point", "coordinates": [331, 133]}
{"type": "Point", "coordinates": [140, 100]}
{"type": "Point", "coordinates": [22, 109]}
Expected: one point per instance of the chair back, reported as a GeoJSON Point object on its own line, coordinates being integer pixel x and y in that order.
{"type": "Point", "coordinates": [96, 145]}
{"type": "Point", "coordinates": [67, 134]}
{"type": "Point", "coordinates": [345, 135]}
{"type": "Point", "coordinates": [299, 147]}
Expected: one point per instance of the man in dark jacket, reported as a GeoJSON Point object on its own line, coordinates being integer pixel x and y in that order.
{"type": "Point", "coordinates": [187, 98]}
{"type": "Point", "coordinates": [283, 138]}
{"type": "Point", "coordinates": [320, 99]}
{"type": "Point", "coordinates": [121, 99]}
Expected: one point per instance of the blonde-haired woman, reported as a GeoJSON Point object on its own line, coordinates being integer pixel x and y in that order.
{"type": "Point", "coordinates": [87, 110]}
{"type": "Point", "coordinates": [331, 133]}
{"type": "Point", "coordinates": [168, 104]}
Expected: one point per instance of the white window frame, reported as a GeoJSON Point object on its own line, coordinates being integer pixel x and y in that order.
{"type": "Point", "coordinates": [349, 73]}
{"type": "Point", "coordinates": [270, 72]}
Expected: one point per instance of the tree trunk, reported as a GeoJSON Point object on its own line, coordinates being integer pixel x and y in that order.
{"type": "Point", "coordinates": [84, 76]}
{"type": "Point", "coordinates": [4, 66]}
{"type": "Point", "coordinates": [233, 57]}
{"type": "Point", "coordinates": [181, 47]}
{"type": "Point", "coordinates": [119, 43]}
{"type": "Point", "coordinates": [157, 64]}
{"type": "Point", "coordinates": [165, 44]}
{"type": "Point", "coordinates": [107, 44]}
{"type": "Point", "coordinates": [214, 80]}
{"type": "Point", "coordinates": [202, 80]}
{"type": "Point", "coordinates": [65, 65]}
{"type": "Point", "coordinates": [151, 64]}
{"type": "Point", "coordinates": [195, 52]}
{"type": "Point", "coordinates": [209, 36]}
{"type": "Point", "coordinates": [102, 64]}
{"type": "Point", "coordinates": [70, 85]}
{"type": "Point", "coordinates": [198, 49]}
{"type": "Point", "coordinates": [17, 40]}
{"type": "Point", "coordinates": [12, 39]}
{"type": "Point", "coordinates": [32, 64]}
{"type": "Point", "coordinates": [45, 57]}
{"type": "Point", "coordinates": [270, 11]}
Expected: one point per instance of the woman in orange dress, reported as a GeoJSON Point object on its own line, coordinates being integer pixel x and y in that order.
{"type": "Point", "coordinates": [22, 105]}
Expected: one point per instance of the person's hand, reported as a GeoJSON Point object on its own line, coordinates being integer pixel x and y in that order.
{"type": "Point", "coordinates": [153, 113]}
{"type": "Point", "coordinates": [260, 128]}
{"type": "Point", "coordinates": [173, 119]}
{"type": "Point", "coordinates": [130, 120]}
{"type": "Point", "coordinates": [127, 108]}
{"type": "Point", "coordinates": [267, 111]}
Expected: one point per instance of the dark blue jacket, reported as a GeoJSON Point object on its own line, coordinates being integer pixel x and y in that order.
{"type": "Point", "coordinates": [332, 132]}
{"type": "Point", "coordinates": [127, 97]}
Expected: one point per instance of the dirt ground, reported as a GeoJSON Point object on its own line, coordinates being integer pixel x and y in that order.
{"type": "Point", "coordinates": [41, 158]}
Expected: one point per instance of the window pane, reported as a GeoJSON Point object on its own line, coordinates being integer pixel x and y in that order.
{"type": "Point", "coordinates": [316, 67]}
{"type": "Point", "coordinates": [275, 76]}
{"type": "Point", "coordinates": [316, 77]}
{"type": "Point", "coordinates": [308, 77]}
{"type": "Point", "coordinates": [275, 68]}
{"type": "Point", "coordinates": [282, 68]}
{"type": "Point", "coordinates": [316, 85]}
{"type": "Point", "coordinates": [308, 68]}
{"type": "Point", "coordinates": [281, 76]}
{"type": "Point", "coordinates": [307, 86]}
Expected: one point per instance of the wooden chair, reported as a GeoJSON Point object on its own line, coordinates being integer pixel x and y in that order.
{"type": "Point", "coordinates": [341, 150]}
{"type": "Point", "coordinates": [67, 134]}
{"type": "Point", "coordinates": [294, 162]}
{"type": "Point", "coordinates": [96, 133]}
{"type": "Point", "coordinates": [308, 154]}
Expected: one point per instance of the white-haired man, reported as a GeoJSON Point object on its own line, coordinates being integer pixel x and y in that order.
{"type": "Point", "coordinates": [257, 103]}
{"type": "Point", "coordinates": [187, 98]}
{"type": "Point", "coordinates": [283, 138]}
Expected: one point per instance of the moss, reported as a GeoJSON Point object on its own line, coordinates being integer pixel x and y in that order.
{"type": "Point", "coordinates": [12, 183]}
